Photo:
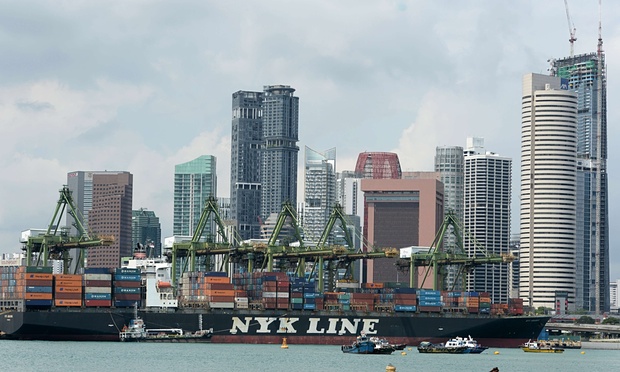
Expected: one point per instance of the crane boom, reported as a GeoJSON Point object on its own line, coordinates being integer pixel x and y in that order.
{"type": "Point", "coordinates": [571, 29]}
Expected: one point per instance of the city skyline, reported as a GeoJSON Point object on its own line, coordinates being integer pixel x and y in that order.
{"type": "Point", "coordinates": [376, 77]}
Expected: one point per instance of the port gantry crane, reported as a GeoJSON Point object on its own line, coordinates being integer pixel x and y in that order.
{"type": "Point", "coordinates": [55, 245]}
{"type": "Point", "coordinates": [435, 259]}
{"type": "Point", "coordinates": [263, 256]}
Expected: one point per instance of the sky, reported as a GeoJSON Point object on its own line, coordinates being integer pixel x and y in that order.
{"type": "Point", "coordinates": [142, 85]}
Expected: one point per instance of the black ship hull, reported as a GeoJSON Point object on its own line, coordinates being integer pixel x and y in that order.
{"type": "Point", "coordinates": [271, 326]}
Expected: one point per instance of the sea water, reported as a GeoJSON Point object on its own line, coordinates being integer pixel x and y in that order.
{"type": "Point", "coordinates": [174, 357]}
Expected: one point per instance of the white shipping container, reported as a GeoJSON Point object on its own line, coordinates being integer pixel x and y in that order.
{"type": "Point", "coordinates": [222, 305]}
{"type": "Point", "coordinates": [243, 306]}
{"type": "Point", "coordinates": [269, 294]}
{"type": "Point", "coordinates": [282, 295]}
{"type": "Point", "coordinates": [97, 289]}
{"type": "Point", "coordinates": [241, 299]}
{"type": "Point", "coordinates": [97, 276]}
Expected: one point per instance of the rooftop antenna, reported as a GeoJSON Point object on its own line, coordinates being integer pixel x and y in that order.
{"type": "Point", "coordinates": [600, 32]}
{"type": "Point", "coordinates": [572, 30]}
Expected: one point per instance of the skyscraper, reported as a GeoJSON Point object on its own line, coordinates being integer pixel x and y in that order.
{"type": "Point", "coordinates": [586, 77]}
{"type": "Point", "coordinates": [112, 197]}
{"type": "Point", "coordinates": [279, 153]}
{"type": "Point", "coordinates": [194, 182]}
{"type": "Point", "coordinates": [548, 191]}
{"type": "Point", "coordinates": [399, 213]}
{"type": "Point", "coordinates": [486, 216]}
{"type": "Point", "coordinates": [146, 230]}
{"type": "Point", "coordinates": [81, 184]}
{"type": "Point", "coordinates": [245, 162]}
{"type": "Point", "coordinates": [320, 191]}
{"type": "Point", "coordinates": [449, 163]}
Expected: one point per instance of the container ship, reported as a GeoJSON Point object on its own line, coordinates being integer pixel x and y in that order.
{"type": "Point", "coordinates": [250, 307]}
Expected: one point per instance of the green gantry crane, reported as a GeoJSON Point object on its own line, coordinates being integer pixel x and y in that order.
{"type": "Point", "coordinates": [55, 245]}
{"type": "Point", "coordinates": [435, 259]}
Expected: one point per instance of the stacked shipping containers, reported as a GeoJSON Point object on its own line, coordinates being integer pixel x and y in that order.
{"type": "Point", "coordinates": [127, 287]}
{"type": "Point", "coordinates": [12, 282]}
{"type": "Point", "coordinates": [68, 290]}
{"type": "Point", "coordinates": [39, 283]}
{"type": "Point", "coordinates": [97, 287]}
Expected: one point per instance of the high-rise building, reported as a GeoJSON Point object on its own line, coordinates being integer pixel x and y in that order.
{"type": "Point", "coordinates": [194, 182]}
{"type": "Point", "coordinates": [245, 162]}
{"type": "Point", "coordinates": [586, 76]}
{"type": "Point", "coordinates": [449, 162]}
{"type": "Point", "coordinates": [399, 213]}
{"type": "Point", "coordinates": [351, 198]}
{"type": "Point", "coordinates": [486, 216]}
{"type": "Point", "coordinates": [280, 112]}
{"type": "Point", "coordinates": [378, 165]}
{"type": "Point", "coordinates": [81, 184]}
{"type": "Point", "coordinates": [320, 191]}
{"type": "Point", "coordinates": [112, 197]}
{"type": "Point", "coordinates": [146, 231]}
{"type": "Point", "coordinates": [548, 191]}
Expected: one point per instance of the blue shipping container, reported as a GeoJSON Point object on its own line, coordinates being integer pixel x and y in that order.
{"type": "Point", "coordinates": [126, 270]}
{"type": "Point", "coordinates": [96, 270]}
{"type": "Point", "coordinates": [404, 308]}
{"type": "Point", "coordinates": [127, 277]}
{"type": "Point", "coordinates": [97, 296]}
{"type": "Point", "coordinates": [126, 303]}
{"type": "Point", "coordinates": [309, 306]}
{"type": "Point", "coordinates": [37, 289]}
{"type": "Point", "coordinates": [38, 303]}
{"type": "Point", "coordinates": [126, 290]}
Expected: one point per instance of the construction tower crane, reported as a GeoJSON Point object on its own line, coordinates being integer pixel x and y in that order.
{"type": "Point", "coordinates": [571, 30]}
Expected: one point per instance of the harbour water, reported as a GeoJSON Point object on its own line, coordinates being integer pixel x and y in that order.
{"type": "Point", "coordinates": [136, 357]}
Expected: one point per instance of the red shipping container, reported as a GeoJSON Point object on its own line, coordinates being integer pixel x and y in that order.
{"type": "Point", "coordinates": [98, 303]}
{"type": "Point", "coordinates": [68, 296]}
{"type": "Point", "coordinates": [126, 284]}
{"type": "Point", "coordinates": [38, 282]}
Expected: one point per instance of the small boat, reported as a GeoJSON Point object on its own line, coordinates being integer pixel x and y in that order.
{"type": "Point", "coordinates": [536, 347]}
{"type": "Point", "coordinates": [427, 347]}
{"type": "Point", "coordinates": [137, 332]}
{"type": "Point", "coordinates": [369, 345]}
{"type": "Point", "coordinates": [472, 345]}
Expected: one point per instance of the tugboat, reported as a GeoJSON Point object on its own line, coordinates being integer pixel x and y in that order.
{"type": "Point", "coordinates": [137, 332]}
{"type": "Point", "coordinates": [369, 345]}
{"type": "Point", "coordinates": [536, 347]}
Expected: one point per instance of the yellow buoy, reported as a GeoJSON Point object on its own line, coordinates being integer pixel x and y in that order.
{"type": "Point", "coordinates": [403, 353]}
{"type": "Point", "coordinates": [496, 353]}
{"type": "Point", "coordinates": [410, 349]}
{"type": "Point", "coordinates": [390, 368]}
{"type": "Point", "coordinates": [284, 345]}
{"type": "Point", "coordinates": [583, 352]}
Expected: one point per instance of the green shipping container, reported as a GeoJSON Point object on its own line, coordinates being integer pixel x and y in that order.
{"type": "Point", "coordinates": [39, 269]}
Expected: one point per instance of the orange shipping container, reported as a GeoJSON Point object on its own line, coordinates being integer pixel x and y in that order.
{"type": "Point", "coordinates": [69, 289]}
{"type": "Point", "coordinates": [39, 276]}
{"type": "Point", "coordinates": [68, 283]}
{"type": "Point", "coordinates": [38, 296]}
{"type": "Point", "coordinates": [74, 303]}
{"type": "Point", "coordinates": [68, 277]}
{"type": "Point", "coordinates": [214, 292]}
{"type": "Point", "coordinates": [217, 279]}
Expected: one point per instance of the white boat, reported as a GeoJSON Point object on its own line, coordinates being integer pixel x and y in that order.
{"type": "Point", "coordinates": [472, 345]}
